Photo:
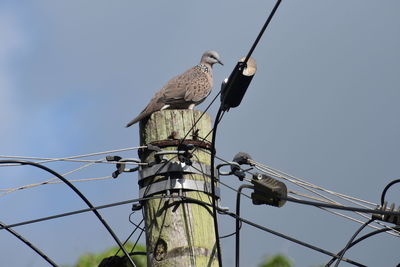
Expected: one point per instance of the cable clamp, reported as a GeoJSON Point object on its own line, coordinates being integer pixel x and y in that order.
{"type": "Point", "coordinates": [121, 166]}
{"type": "Point", "coordinates": [268, 190]}
{"type": "Point", "coordinates": [395, 219]}
{"type": "Point", "coordinates": [183, 152]}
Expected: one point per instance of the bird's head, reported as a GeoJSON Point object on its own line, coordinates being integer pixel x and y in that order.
{"type": "Point", "coordinates": [210, 58]}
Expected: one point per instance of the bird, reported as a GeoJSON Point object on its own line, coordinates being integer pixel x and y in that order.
{"type": "Point", "coordinates": [185, 90]}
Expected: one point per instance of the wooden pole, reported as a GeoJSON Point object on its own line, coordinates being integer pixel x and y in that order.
{"type": "Point", "coordinates": [178, 233]}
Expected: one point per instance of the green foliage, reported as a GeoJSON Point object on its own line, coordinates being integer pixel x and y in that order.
{"type": "Point", "coordinates": [278, 260]}
{"type": "Point", "coordinates": [91, 259]}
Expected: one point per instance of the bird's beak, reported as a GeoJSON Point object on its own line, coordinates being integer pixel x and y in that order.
{"type": "Point", "coordinates": [220, 62]}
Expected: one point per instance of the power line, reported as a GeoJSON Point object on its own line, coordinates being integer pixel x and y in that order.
{"type": "Point", "coordinates": [29, 244]}
{"type": "Point", "coordinates": [46, 160]}
{"type": "Point", "coordinates": [288, 237]}
{"type": "Point", "coordinates": [343, 251]}
{"type": "Point", "coordinates": [79, 194]}
{"type": "Point", "coordinates": [65, 214]}
{"type": "Point", "coordinates": [48, 182]}
{"type": "Point", "coordinates": [394, 232]}
{"type": "Point", "coordinates": [332, 206]}
{"type": "Point", "coordinates": [293, 179]}
{"type": "Point", "coordinates": [387, 188]}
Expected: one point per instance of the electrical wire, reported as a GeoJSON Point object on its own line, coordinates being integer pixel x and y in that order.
{"type": "Point", "coordinates": [295, 180]}
{"type": "Point", "coordinates": [75, 157]}
{"type": "Point", "coordinates": [78, 193]}
{"type": "Point", "coordinates": [137, 226]}
{"type": "Point", "coordinates": [65, 214]}
{"type": "Point", "coordinates": [29, 244]}
{"type": "Point", "coordinates": [44, 182]}
{"type": "Point", "coordinates": [213, 181]}
{"type": "Point", "coordinates": [303, 184]}
{"type": "Point", "coordinates": [371, 234]}
{"type": "Point", "coordinates": [197, 121]}
{"type": "Point", "coordinates": [302, 243]}
{"type": "Point", "coordinates": [262, 30]}
{"type": "Point", "coordinates": [383, 196]}
{"type": "Point", "coordinates": [8, 191]}
{"type": "Point", "coordinates": [205, 204]}
{"type": "Point", "coordinates": [237, 239]}
{"type": "Point", "coordinates": [343, 251]}
{"type": "Point", "coordinates": [331, 206]}
{"type": "Point", "coordinates": [392, 232]}
{"type": "Point", "coordinates": [47, 160]}
{"type": "Point", "coordinates": [395, 233]}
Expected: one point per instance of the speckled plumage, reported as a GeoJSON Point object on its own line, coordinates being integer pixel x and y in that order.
{"type": "Point", "coordinates": [185, 90]}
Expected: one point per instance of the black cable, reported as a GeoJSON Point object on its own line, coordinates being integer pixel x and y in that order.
{"type": "Point", "coordinates": [76, 212]}
{"type": "Point", "coordinates": [237, 238]}
{"type": "Point", "coordinates": [262, 30]}
{"type": "Point", "coordinates": [213, 180]}
{"type": "Point", "coordinates": [386, 189]}
{"type": "Point", "coordinates": [130, 235]}
{"type": "Point", "coordinates": [78, 193]}
{"type": "Point", "coordinates": [205, 204]}
{"type": "Point", "coordinates": [29, 244]}
{"type": "Point", "coordinates": [231, 234]}
{"type": "Point", "coordinates": [289, 238]}
{"type": "Point", "coordinates": [343, 251]}
{"type": "Point", "coordinates": [137, 225]}
{"type": "Point", "coordinates": [136, 242]}
{"type": "Point", "coordinates": [363, 238]}
{"type": "Point", "coordinates": [333, 206]}
{"type": "Point", "coordinates": [195, 123]}
{"type": "Point", "coordinates": [372, 234]}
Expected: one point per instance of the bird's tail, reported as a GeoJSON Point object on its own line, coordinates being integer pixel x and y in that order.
{"type": "Point", "coordinates": [137, 119]}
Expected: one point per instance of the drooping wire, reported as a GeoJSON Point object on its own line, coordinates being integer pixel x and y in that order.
{"type": "Point", "coordinates": [237, 239]}
{"type": "Point", "coordinates": [46, 160]}
{"type": "Point", "coordinates": [29, 244]}
{"type": "Point", "coordinates": [205, 204]}
{"type": "Point", "coordinates": [343, 251]}
{"type": "Point", "coordinates": [46, 181]}
{"type": "Point", "coordinates": [383, 196]}
{"type": "Point", "coordinates": [371, 234]}
{"type": "Point", "coordinates": [302, 243]}
{"type": "Point", "coordinates": [50, 181]}
{"type": "Point", "coordinates": [213, 181]}
{"type": "Point", "coordinates": [131, 234]}
{"type": "Point", "coordinates": [79, 194]}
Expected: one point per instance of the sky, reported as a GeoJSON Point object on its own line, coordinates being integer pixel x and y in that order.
{"type": "Point", "coordinates": [323, 106]}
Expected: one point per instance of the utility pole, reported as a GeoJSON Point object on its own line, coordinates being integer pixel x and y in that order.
{"type": "Point", "coordinates": [179, 230]}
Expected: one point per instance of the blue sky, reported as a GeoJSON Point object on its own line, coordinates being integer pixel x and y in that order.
{"type": "Point", "coordinates": [322, 106]}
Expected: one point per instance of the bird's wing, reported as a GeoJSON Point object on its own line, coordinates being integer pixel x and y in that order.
{"type": "Point", "coordinates": [187, 88]}
{"type": "Point", "coordinates": [199, 88]}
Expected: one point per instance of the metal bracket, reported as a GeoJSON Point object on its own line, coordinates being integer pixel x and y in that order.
{"type": "Point", "coordinates": [177, 184]}
{"type": "Point", "coordinates": [170, 167]}
{"type": "Point", "coordinates": [121, 165]}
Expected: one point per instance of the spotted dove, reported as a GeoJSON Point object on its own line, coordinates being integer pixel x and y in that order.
{"type": "Point", "coordinates": [185, 90]}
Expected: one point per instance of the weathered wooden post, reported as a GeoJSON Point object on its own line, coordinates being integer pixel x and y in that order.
{"type": "Point", "coordinates": [179, 232]}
